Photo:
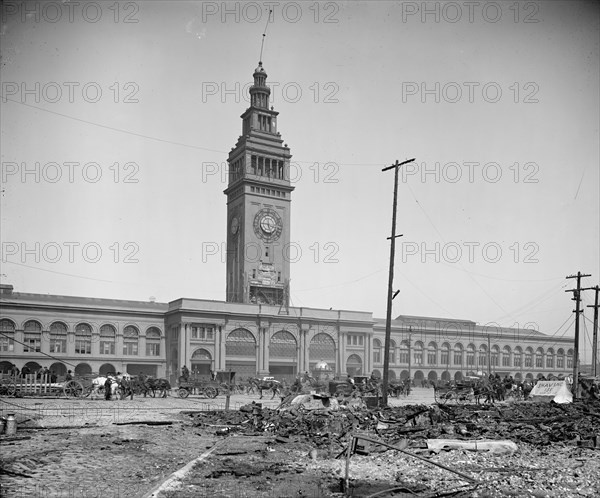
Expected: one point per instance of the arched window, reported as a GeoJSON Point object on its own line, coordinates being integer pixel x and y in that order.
{"type": "Point", "coordinates": [418, 353]}
{"type": "Point", "coordinates": [550, 358]}
{"type": "Point", "coordinates": [432, 353]}
{"type": "Point", "coordinates": [322, 348]}
{"type": "Point", "coordinates": [529, 358]}
{"type": "Point", "coordinates": [518, 357]}
{"type": "Point", "coordinates": [32, 337]}
{"type": "Point", "coordinates": [108, 337]}
{"type": "Point", "coordinates": [458, 354]}
{"type": "Point", "coordinates": [240, 342]}
{"type": "Point", "coordinates": [58, 338]}
{"type": "Point", "coordinates": [495, 356]}
{"type": "Point", "coordinates": [354, 365]}
{"type": "Point", "coordinates": [445, 356]}
{"type": "Point", "coordinates": [376, 351]}
{"type": "Point", "coordinates": [283, 345]}
{"type": "Point", "coordinates": [506, 356]}
{"type": "Point", "coordinates": [7, 339]}
{"type": "Point", "coordinates": [83, 339]}
{"type": "Point", "coordinates": [570, 358]}
{"type": "Point", "coordinates": [131, 336]}
{"type": "Point", "coordinates": [404, 353]}
{"type": "Point", "coordinates": [560, 358]}
{"type": "Point", "coordinates": [482, 356]}
{"type": "Point", "coordinates": [153, 341]}
{"type": "Point", "coordinates": [539, 358]}
{"type": "Point", "coordinates": [471, 356]}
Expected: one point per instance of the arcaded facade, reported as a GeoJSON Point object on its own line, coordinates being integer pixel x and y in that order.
{"type": "Point", "coordinates": [102, 335]}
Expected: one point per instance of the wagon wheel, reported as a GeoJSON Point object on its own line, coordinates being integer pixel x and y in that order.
{"type": "Point", "coordinates": [442, 397]}
{"type": "Point", "coordinates": [9, 388]}
{"type": "Point", "coordinates": [183, 393]}
{"type": "Point", "coordinates": [211, 392]}
{"type": "Point", "coordinates": [73, 389]}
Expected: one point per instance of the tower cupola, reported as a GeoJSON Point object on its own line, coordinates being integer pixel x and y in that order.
{"type": "Point", "coordinates": [259, 92]}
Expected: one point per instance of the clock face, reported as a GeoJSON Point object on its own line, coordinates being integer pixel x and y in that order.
{"type": "Point", "coordinates": [235, 225]}
{"type": "Point", "coordinates": [268, 225]}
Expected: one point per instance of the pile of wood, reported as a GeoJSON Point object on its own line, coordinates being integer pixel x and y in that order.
{"type": "Point", "coordinates": [532, 423]}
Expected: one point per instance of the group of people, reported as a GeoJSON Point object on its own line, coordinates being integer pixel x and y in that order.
{"type": "Point", "coordinates": [185, 374]}
{"type": "Point", "coordinates": [124, 383]}
{"type": "Point", "coordinates": [43, 373]}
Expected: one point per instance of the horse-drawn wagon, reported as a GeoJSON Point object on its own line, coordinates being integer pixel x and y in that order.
{"type": "Point", "coordinates": [45, 385]}
{"type": "Point", "coordinates": [458, 393]}
{"type": "Point", "coordinates": [223, 382]}
{"type": "Point", "coordinates": [471, 390]}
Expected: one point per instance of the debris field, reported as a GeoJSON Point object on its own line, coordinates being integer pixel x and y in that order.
{"type": "Point", "coordinates": [521, 449]}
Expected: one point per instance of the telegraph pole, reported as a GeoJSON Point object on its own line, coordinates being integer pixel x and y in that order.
{"type": "Point", "coordinates": [388, 323]}
{"type": "Point", "coordinates": [409, 352]}
{"type": "Point", "coordinates": [489, 357]}
{"type": "Point", "coordinates": [595, 339]}
{"type": "Point", "coordinates": [577, 298]}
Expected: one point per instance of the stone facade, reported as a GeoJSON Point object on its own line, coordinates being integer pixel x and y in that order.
{"type": "Point", "coordinates": [251, 339]}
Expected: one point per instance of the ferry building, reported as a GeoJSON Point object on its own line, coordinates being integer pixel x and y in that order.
{"type": "Point", "coordinates": [255, 332]}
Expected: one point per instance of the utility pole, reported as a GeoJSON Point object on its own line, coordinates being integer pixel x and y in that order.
{"type": "Point", "coordinates": [409, 352]}
{"type": "Point", "coordinates": [489, 357]}
{"type": "Point", "coordinates": [388, 323]}
{"type": "Point", "coordinates": [577, 298]}
{"type": "Point", "coordinates": [595, 336]}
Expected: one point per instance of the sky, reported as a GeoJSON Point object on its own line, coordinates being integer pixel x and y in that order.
{"type": "Point", "coordinates": [117, 118]}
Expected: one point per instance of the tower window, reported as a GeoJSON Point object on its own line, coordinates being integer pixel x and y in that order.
{"type": "Point", "coordinates": [254, 273]}
{"type": "Point", "coordinates": [260, 165]}
{"type": "Point", "coordinates": [279, 276]}
{"type": "Point", "coordinates": [253, 163]}
{"type": "Point", "coordinates": [266, 251]}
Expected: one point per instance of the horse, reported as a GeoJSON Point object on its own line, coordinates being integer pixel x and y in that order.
{"type": "Point", "coordinates": [126, 387]}
{"type": "Point", "coordinates": [484, 389]}
{"type": "Point", "coordinates": [403, 388]}
{"type": "Point", "coordinates": [265, 385]}
{"type": "Point", "coordinates": [153, 385]}
{"type": "Point", "coordinates": [98, 387]}
{"type": "Point", "coordinates": [396, 389]}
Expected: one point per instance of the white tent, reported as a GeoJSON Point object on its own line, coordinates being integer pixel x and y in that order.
{"type": "Point", "coordinates": [551, 390]}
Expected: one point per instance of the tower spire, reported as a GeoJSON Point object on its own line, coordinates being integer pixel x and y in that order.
{"type": "Point", "coordinates": [262, 44]}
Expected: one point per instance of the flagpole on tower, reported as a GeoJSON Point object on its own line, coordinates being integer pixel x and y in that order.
{"type": "Point", "coordinates": [262, 44]}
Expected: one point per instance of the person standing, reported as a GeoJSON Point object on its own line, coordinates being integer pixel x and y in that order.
{"type": "Point", "coordinates": [107, 387]}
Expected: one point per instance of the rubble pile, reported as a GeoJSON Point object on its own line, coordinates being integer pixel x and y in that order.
{"type": "Point", "coordinates": [321, 421]}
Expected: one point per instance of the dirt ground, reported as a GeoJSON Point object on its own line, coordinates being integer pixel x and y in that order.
{"type": "Point", "coordinates": [76, 448]}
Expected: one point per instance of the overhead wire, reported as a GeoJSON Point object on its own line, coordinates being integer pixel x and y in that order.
{"type": "Point", "coordinates": [157, 139]}
{"type": "Point", "coordinates": [443, 239]}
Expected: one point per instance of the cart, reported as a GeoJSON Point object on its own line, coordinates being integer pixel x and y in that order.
{"type": "Point", "coordinates": [199, 385]}
{"type": "Point", "coordinates": [30, 385]}
{"type": "Point", "coordinates": [224, 382]}
{"type": "Point", "coordinates": [454, 394]}
{"type": "Point", "coordinates": [80, 386]}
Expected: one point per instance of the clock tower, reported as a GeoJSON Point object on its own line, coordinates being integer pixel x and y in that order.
{"type": "Point", "coordinates": [258, 205]}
